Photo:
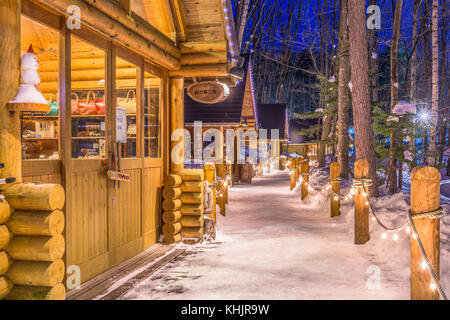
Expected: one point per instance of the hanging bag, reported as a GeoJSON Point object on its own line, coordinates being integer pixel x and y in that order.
{"type": "Point", "coordinates": [100, 105]}
{"type": "Point", "coordinates": [128, 103]}
{"type": "Point", "coordinates": [88, 107]}
{"type": "Point", "coordinates": [74, 104]}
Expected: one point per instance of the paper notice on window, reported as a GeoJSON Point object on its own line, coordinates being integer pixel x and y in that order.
{"type": "Point", "coordinates": [121, 125]}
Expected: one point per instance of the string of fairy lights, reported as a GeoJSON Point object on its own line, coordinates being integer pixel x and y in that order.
{"type": "Point", "coordinates": [221, 191]}
{"type": "Point", "coordinates": [409, 226]}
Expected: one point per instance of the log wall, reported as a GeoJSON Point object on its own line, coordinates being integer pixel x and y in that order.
{"type": "Point", "coordinates": [31, 265]}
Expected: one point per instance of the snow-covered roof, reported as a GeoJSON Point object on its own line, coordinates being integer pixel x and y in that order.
{"type": "Point", "coordinates": [403, 107]}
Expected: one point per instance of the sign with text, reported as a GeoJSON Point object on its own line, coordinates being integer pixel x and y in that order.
{"type": "Point", "coordinates": [208, 92]}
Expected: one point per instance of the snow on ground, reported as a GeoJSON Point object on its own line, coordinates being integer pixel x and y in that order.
{"type": "Point", "coordinates": [271, 245]}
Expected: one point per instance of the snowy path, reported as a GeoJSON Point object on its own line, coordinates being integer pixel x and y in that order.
{"type": "Point", "coordinates": [272, 246]}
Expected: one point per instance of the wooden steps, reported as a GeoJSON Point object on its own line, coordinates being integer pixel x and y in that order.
{"type": "Point", "coordinates": [98, 286]}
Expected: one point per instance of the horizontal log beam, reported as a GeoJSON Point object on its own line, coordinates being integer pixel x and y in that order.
{"type": "Point", "coordinates": [171, 228]}
{"type": "Point", "coordinates": [5, 211]}
{"type": "Point", "coordinates": [36, 223]}
{"type": "Point", "coordinates": [138, 25]}
{"type": "Point", "coordinates": [204, 58]}
{"type": "Point", "coordinates": [39, 197]}
{"type": "Point", "coordinates": [110, 27]}
{"type": "Point", "coordinates": [5, 262]}
{"type": "Point", "coordinates": [171, 238]}
{"type": "Point", "coordinates": [52, 87]}
{"type": "Point", "coordinates": [207, 70]}
{"type": "Point", "coordinates": [172, 180]}
{"type": "Point", "coordinates": [203, 46]}
{"type": "Point", "coordinates": [58, 292]}
{"type": "Point", "coordinates": [5, 287]}
{"type": "Point", "coordinates": [31, 248]}
{"type": "Point", "coordinates": [5, 236]}
{"type": "Point", "coordinates": [192, 198]}
{"type": "Point", "coordinates": [192, 221]}
{"type": "Point", "coordinates": [192, 175]}
{"type": "Point", "coordinates": [192, 209]}
{"type": "Point", "coordinates": [192, 186]}
{"type": "Point", "coordinates": [192, 232]}
{"type": "Point", "coordinates": [47, 274]}
{"type": "Point", "coordinates": [171, 216]}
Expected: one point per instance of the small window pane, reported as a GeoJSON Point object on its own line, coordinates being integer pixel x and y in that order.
{"type": "Point", "coordinates": [88, 105]}
{"type": "Point", "coordinates": [152, 117]}
{"type": "Point", "coordinates": [126, 75]}
{"type": "Point", "coordinates": [40, 131]}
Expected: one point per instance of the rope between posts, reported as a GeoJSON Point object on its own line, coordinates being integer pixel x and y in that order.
{"type": "Point", "coordinates": [425, 257]}
{"type": "Point", "coordinates": [435, 214]}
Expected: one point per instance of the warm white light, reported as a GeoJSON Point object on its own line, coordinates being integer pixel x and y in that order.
{"type": "Point", "coordinates": [364, 194]}
{"type": "Point", "coordinates": [367, 203]}
{"type": "Point", "coordinates": [373, 219]}
{"type": "Point", "coordinates": [423, 265]}
{"type": "Point", "coordinates": [395, 237]}
{"type": "Point", "coordinates": [414, 236]}
{"type": "Point", "coordinates": [384, 235]}
{"type": "Point", "coordinates": [408, 230]}
{"type": "Point", "coordinates": [433, 286]}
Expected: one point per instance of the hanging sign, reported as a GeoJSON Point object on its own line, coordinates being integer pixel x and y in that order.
{"type": "Point", "coordinates": [118, 176]}
{"type": "Point", "coordinates": [208, 92]}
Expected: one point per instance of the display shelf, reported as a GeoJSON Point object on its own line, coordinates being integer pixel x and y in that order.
{"type": "Point", "coordinates": [88, 138]}
{"type": "Point", "coordinates": [34, 139]}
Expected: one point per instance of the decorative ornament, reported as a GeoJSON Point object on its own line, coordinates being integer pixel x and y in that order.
{"type": "Point", "coordinates": [29, 98]}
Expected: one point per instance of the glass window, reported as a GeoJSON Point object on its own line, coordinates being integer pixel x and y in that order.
{"type": "Point", "coordinates": [152, 116]}
{"type": "Point", "coordinates": [127, 106]}
{"type": "Point", "coordinates": [40, 131]}
{"type": "Point", "coordinates": [88, 106]}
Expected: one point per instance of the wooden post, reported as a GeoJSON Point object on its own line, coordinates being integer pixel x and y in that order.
{"type": "Point", "coordinates": [209, 176]}
{"type": "Point", "coordinates": [176, 121]}
{"type": "Point", "coordinates": [10, 137]}
{"type": "Point", "coordinates": [335, 190]}
{"type": "Point", "coordinates": [425, 197]}
{"type": "Point", "coordinates": [305, 175]}
{"type": "Point", "coordinates": [362, 234]}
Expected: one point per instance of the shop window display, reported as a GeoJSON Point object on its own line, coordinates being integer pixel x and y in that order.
{"type": "Point", "coordinates": [127, 104]}
{"type": "Point", "coordinates": [40, 131]}
{"type": "Point", "coordinates": [152, 117]}
{"type": "Point", "coordinates": [88, 108]}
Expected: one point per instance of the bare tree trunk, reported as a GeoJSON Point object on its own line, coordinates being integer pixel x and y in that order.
{"type": "Point", "coordinates": [393, 186]}
{"type": "Point", "coordinates": [412, 89]}
{"type": "Point", "coordinates": [364, 140]}
{"type": "Point", "coordinates": [444, 84]}
{"type": "Point", "coordinates": [343, 93]}
{"type": "Point", "coordinates": [434, 81]}
{"type": "Point", "coordinates": [373, 61]}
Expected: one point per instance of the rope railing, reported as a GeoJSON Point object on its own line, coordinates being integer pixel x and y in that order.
{"type": "Point", "coordinates": [409, 225]}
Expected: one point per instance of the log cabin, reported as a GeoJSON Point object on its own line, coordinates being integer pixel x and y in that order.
{"type": "Point", "coordinates": [274, 117]}
{"type": "Point", "coordinates": [238, 112]}
{"type": "Point", "coordinates": [114, 75]}
{"type": "Point", "coordinates": [300, 143]}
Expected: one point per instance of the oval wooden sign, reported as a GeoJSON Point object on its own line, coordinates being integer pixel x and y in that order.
{"type": "Point", "coordinates": [208, 92]}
